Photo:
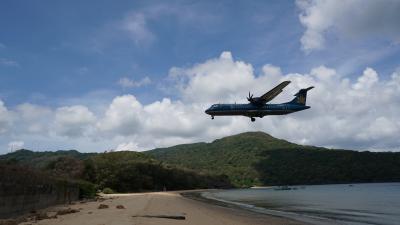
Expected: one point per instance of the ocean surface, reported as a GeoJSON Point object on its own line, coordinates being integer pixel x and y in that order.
{"type": "Point", "coordinates": [352, 204]}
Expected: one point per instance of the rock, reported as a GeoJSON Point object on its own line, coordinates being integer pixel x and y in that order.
{"type": "Point", "coordinates": [120, 207]}
{"type": "Point", "coordinates": [103, 206]}
{"type": "Point", "coordinates": [45, 215]}
{"type": "Point", "coordinates": [67, 211]}
{"type": "Point", "coordinates": [100, 199]}
{"type": "Point", "coordinates": [52, 215]}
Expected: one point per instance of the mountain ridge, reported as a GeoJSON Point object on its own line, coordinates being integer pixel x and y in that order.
{"type": "Point", "coordinates": [257, 158]}
{"type": "Point", "coordinates": [235, 153]}
{"type": "Point", "coordinates": [254, 158]}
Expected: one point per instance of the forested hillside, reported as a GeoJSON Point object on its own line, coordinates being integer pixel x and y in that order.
{"type": "Point", "coordinates": [246, 159]}
{"type": "Point", "coordinates": [256, 158]}
{"type": "Point", "coordinates": [125, 171]}
{"type": "Point", "coordinates": [41, 159]}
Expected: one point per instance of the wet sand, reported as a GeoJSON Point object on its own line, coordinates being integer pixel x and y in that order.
{"type": "Point", "coordinates": [145, 208]}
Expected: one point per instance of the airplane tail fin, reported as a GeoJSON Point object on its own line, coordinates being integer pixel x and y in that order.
{"type": "Point", "coordinates": [301, 96]}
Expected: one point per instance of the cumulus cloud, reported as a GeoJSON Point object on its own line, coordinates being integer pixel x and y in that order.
{"type": "Point", "coordinates": [126, 82]}
{"type": "Point", "coordinates": [359, 113]}
{"type": "Point", "coordinates": [127, 146]}
{"type": "Point", "coordinates": [73, 121]}
{"type": "Point", "coordinates": [342, 114]}
{"type": "Point", "coordinates": [216, 79]}
{"type": "Point", "coordinates": [35, 118]}
{"type": "Point", "coordinates": [352, 18]}
{"type": "Point", "coordinates": [342, 110]}
{"type": "Point", "coordinates": [122, 116]}
{"type": "Point", "coordinates": [5, 118]}
{"type": "Point", "coordinates": [367, 80]}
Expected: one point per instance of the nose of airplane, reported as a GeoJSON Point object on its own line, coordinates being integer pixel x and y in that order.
{"type": "Point", "coordinates": [207, 111]}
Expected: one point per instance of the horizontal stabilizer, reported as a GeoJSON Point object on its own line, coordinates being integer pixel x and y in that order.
{"type": "Point", "coordinates": [304, 90]}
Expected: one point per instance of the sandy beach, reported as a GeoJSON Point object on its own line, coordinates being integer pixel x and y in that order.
{"type": "Point", "coordinates": [145, 208]}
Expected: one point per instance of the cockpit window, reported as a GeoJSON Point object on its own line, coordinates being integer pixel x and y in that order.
{"type": "Point", "coordinates": [214, 106]}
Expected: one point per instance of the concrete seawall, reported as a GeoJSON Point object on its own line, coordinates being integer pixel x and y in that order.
{"type": "Point", "coordinates": [23, 190]}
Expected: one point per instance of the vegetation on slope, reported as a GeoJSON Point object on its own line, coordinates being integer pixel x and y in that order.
{"type": "Point", "coordinates": [322, 166]}
{"type": "Point", "coordinates": [41, 159]}
{"type": "Point", "coordinates": [134, 171]}
{"type": "Point", "coordinates": [233, 156]}
{"type": "Point", "coordinates": [246, 159]}
{"type": "Point", "coordinates": [256, 158]}
{"type": "Point", "coordinates": [121, 171]}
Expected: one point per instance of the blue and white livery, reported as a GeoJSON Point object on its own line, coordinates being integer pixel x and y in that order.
{"type": "Point", "coordinates": [258, 106]}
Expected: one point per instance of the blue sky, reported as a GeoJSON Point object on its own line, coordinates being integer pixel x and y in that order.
{"type": "Point", "coordinates": [77, 48]}
{"type": "Point", "coordinates": [56, 54]}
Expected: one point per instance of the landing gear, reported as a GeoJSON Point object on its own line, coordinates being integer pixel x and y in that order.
{"type": "Point", "coordinates": [253, 119]}
{"type": "Point", "coordinates": [212, 117]}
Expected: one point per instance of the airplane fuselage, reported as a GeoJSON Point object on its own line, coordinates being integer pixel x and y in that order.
{"type": "Point", "coordinates": [258, 106]}
{"type": "Point", "coordinates": [252, 110]}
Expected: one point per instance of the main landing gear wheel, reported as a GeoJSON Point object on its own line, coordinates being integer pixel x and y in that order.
{"type": "Point", "coordinates": [212, 117]}
{"type": "Point", "coordinates": [253, 119]}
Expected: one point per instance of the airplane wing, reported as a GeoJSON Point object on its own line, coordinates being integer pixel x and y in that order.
{"type": "Point", "coordinates": [274, 92]}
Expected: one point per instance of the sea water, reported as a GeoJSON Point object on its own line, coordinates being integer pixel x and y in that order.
{"type": "Point", "coordinates": [353, 204]}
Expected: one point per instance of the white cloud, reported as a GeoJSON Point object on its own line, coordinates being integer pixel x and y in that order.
{"type": "Point", "coordinates": [73, 121]}
{"type": "Point", "coordinates": [126, 82]}
{"type": "Point", "coordinates": [35, 118]}
{"type": "Point", "coordinates": [348, 19]}
{"type": "Point", "coordinates": [168, 118]}
{"type": "Point", "coordinates": [323, 73]}
{"type": "Point", "coordinates": [8, 62]}
{"type": "Point", "coordinates": [379, 129]}
{"type": "Point", "coordinates": [29, 111]}
{"type": "Point", "coordinates": [137, 22]}
{"type": "Point", "coordinates": [123, 116]}
{"type": "Point", "coordinates": [136, 25]}
{"type": "Point", "coordinates": [5, 118]}
{"type": "Point", "coordinates": [360, 113]}
{"type": "Point", "coordinates": [127, 146]}
{"type": "Point", "coordinates": [367, 80]}
{"type": "Point", "coordinates": [15, 145]}
{"type": "Point", "coordinates": [216, 79]}
{"type": "Point", "coordinates": [341, 109]}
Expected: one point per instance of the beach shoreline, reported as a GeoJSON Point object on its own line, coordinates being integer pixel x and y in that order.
{"type": "Point", "coordinates": [206, 196]}
{"type": "Point", "coordinates": [156, 208]}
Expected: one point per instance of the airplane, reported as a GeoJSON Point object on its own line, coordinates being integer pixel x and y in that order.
{"type": "Point", "coordinates": [258, 106]}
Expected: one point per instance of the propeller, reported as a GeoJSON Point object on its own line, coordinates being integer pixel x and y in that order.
{"type": "Point", "coordinates": [250, 98]}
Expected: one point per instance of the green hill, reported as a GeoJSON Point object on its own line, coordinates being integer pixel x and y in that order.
{"type": "Point", "coordinates": [134, 171]}
{"type": "Point", "coordinates": [256, 158]}
{"type": "Point", "coordinates": [41, 159]}
{"type": "Point", "coordinates": [247, 159]}
{"type": "Point", "coordinates": [233, 155]}
{"type": "Point", "coordinates": [125, 171]}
